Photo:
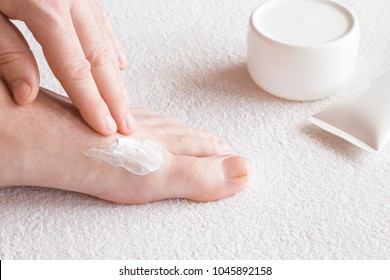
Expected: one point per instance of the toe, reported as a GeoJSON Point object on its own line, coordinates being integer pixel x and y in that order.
{"type": "Point", "coordinates": [234, 167]}
{"type": "Point", "coordinates": [208, 178]}
{"type": "Point", "coordinates": [197, 147]}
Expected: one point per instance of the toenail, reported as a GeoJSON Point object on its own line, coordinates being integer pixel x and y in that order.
{"type": "Point", "coordinates": [234, 167]}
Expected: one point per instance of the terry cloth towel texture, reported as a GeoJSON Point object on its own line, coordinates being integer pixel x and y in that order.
{"type": "Point", "coordinates": [311, 195]}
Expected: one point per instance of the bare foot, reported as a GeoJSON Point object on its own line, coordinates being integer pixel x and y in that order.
{"type": "Point", "coordinates": [43, 144]}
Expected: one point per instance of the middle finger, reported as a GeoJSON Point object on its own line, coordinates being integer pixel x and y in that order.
{"type": "Point", "coordinates": [107, 77]}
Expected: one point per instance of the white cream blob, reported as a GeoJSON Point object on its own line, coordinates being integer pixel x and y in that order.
{"type": "Point", "coordinates": [139, 157]}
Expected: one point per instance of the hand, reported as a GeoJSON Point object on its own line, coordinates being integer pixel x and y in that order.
{"type": "Point", "coordinates": [81, 50]}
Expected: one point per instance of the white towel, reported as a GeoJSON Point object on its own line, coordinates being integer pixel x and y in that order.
{"type": "Point", "coordinates": [311, 195]}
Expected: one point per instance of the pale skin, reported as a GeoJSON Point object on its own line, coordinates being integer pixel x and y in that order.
{"type": "Point", "coordinates": [82, 51]}
{"type": "Point", "coordinates": [43, 144]}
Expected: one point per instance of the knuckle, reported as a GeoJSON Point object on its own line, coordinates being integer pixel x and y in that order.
{"type": "Point", "coordinates": [186, 170]}
{"type": "Point", "coordinates": [10, 58]}
{"type": "Point", "coordinates": [53, 6]}
{"type": "Point", "coordinates": [76, 71]}
{"type": "Point", "coordinates": [29, 10]}
{"type": "Point", "coordinates": [50, 10]}
{"type": "Point", "coordinates": [99, 56]}
{"type": "Point", "coordinates": [190, 172]}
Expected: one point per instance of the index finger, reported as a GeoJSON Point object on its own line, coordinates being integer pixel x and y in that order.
{"type": "Point", "coordinates": [65, 56]}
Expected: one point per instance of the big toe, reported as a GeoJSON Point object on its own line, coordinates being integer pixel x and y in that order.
{"type": "Point", "coordinates": [208, 178]}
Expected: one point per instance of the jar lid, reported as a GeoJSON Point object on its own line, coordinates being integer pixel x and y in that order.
{"type": "Point", "coordinates": [306, 33]}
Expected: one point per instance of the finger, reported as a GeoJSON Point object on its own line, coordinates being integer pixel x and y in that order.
{"type": "Point", "coordinates": [102, 16]}
{"type": "Point", "coordinates": [66, 58]}
{"type": "Point", "coordinates": [107, 77]}
{"type": "Point", "coordinates": [17, 63]}
{"type": "Point", "coordinates": [97, 13]}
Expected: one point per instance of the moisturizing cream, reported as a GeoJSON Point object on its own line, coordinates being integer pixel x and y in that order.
{"type": "Point", "coordinates": [139, 157]}
{"type": "Point", "coordinates": [363, 118]}
{"type": "Point", "coordinates": [302, 49]}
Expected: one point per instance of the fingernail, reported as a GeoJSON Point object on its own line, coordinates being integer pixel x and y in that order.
{"type": "Point", "coordinates": [122, 59]}
{"type": "Point", "coordinates": [20, 89]}
{"type": "Point", "coordinates": [110, 124]}
{"type": "Point", "coordinates": [130, 122]}
{"type": "Point", "coordinates": [234, 167]}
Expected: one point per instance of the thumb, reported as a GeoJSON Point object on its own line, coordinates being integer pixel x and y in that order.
{"type": "Point", "coordinates": [17, 63]}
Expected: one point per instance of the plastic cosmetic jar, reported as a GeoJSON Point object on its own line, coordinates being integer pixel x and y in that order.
{"type": "Point", "coordinates": [302, 49]}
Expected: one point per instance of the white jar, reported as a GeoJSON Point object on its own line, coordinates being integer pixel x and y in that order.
{"type": "Point", "coordinates": [302, 49]}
